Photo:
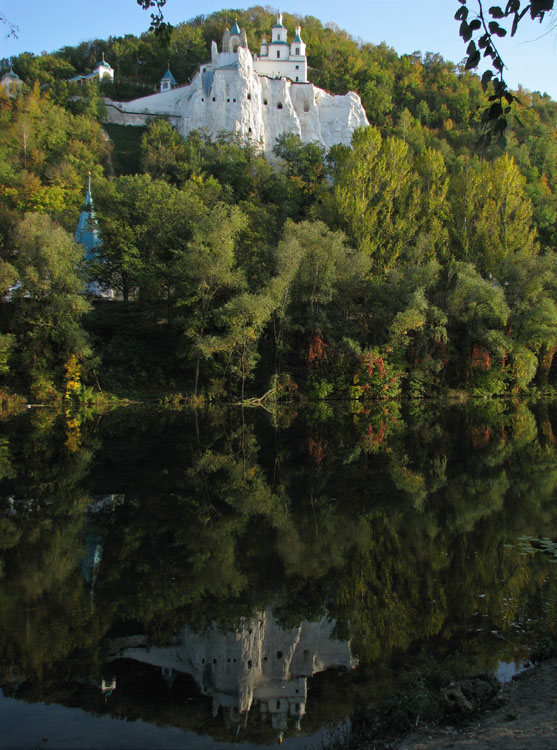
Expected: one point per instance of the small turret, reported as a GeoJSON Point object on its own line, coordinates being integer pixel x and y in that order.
{"type": "Point", "coordinates": [11, 82]}
{"type": "Point", "coordinates": [298, 47]}
{"type": "Point", "coordinates": [235, 37]}
{"type": "Point", "coordinates": [103, 69]}
{"type": "Point", "coordinates": [279, 32]}
{"type": "Point", "coordinates": [167, 82]}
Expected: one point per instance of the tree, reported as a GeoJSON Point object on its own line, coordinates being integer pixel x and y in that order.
{"type": "Point", "coordinates": [478, 313]}
{"type": "Point", "coordinates": [245, 316]}
{"type": "Point", "coordinates": [302, 160]}
{"type": "Point", "coordinates": [433, 237]}
{"type": "Point", "coordinates": [530, 284]}
{"type": "Point", "coordinates": [121, 257]}
{"type": "Point", "coordinates": [50, 301]}
{"type": "Point", "coordinates": [144, 225]}
{"type": "Point", "coordinates": [418, 332]}
{"type": "Point", "coordinates": [288, 256]}
{"type": "Point", "coordinates": [46, 151]}
{"type": "Point", "coordinates": [323, 263]}
{"type": "Point", "coordinates": [377, 193]}
{"type": "Point", "coordinates": [491, 217]}
{"type": "Point", "coordinates": [163, 150]}
{"type": "Point", "coordinates": [208, 269]}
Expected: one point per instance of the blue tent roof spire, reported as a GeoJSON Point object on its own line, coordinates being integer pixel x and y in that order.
{"type": "Point", "coordinates": [167, 76]}
{"type": "Point", "coordinates": [87, 233]}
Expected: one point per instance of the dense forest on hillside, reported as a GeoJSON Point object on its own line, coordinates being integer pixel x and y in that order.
{"type": "Point", "coordinates": [412, 263]}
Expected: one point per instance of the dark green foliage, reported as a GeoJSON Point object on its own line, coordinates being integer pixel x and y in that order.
{"type": "Point", "coordinates": [126, 151]}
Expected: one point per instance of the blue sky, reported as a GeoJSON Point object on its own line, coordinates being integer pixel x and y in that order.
{"type": "Point", "coordinates": [405, 25]}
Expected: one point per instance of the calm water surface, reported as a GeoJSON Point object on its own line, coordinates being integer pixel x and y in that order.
{"type": "Point", "coordinates": [171, 579]}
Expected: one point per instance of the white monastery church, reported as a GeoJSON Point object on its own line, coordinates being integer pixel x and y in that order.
{"type": "Point", "coordinates": [256, 96]}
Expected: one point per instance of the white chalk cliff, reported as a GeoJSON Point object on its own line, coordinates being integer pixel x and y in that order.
{"type": "Point", "coordinates": [256, 97]}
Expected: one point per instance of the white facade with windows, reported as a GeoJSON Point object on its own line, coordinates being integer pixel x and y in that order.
{"type": "Point", "coordinates": [280, 58]}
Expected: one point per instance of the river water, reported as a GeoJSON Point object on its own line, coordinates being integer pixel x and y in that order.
{"type": "Point", "coordinates": [225, 577]}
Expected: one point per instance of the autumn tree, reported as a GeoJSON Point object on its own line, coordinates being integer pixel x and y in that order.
{"type": "Point", "coordinates": [50, 302]}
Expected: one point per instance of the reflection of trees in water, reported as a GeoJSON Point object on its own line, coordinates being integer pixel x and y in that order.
{"type": "Point", "coordinates": [397, 523]}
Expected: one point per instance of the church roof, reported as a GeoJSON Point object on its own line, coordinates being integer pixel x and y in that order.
{"type": "Point", "coordinates": [168, 76]}
{"type": "Point", "coordinates": [80, 77]}
{"type": "Point", "coordinates": [11, 74]}
{"type": "Point", "coordinates": [86, 232]}
{"type": "Point", "coordinates": [235, 29]}
{"type": "Point", "coordinates": [297, 38]}
{"type": "Point", "coordinates": [103, 63]}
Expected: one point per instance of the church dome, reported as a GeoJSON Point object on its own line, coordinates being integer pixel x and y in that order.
{"type": "Point", "coordinates": [11, 74]}
{"type": "Point", "coordinates": [103, 63]}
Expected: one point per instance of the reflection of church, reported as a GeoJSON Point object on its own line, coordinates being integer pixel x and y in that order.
{"type": "Point", "coordinates": [259, 663]}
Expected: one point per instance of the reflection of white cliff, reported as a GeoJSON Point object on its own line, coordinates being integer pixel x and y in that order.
{"type": "Point", "coordinates": [257, 97]}
{"type": "Point", "coordinates": [258, 663]}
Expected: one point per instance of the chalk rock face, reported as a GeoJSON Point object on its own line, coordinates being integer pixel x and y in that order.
{"type": "Point", "coordinates": [235, 99]}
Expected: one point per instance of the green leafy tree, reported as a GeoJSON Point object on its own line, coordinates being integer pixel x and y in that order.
{"type": "Point", "coordinates": [477, 313]}
{"type": "Point", "coordinates": [433, 237]}
{"type": "Point", "coordinates": [377, 194]}
{"type": "Point", "coordinates": [208, 270]}
{"type": "Point", "coordinates": [245, 317]}
{"type": "Point", "coordinates": [145, 224]}
{"type": "Point", "coordinates": [491, 214]}
{"type": "Point", "coordinates": [50, 302]}
{"type": "Point", "coordinates": [163, 151]}
{"type": "Point", "coordinates": [530, 290]}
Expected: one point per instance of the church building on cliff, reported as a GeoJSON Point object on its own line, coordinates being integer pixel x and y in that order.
{"type": "Point", "coordinates": [257, 97]}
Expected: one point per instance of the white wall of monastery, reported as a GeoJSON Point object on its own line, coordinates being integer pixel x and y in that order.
{"type": "Point", "coordinates": [257, 108]}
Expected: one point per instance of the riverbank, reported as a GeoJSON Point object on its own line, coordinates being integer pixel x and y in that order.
{"type": "Point", "coordinates": [523, 717]}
